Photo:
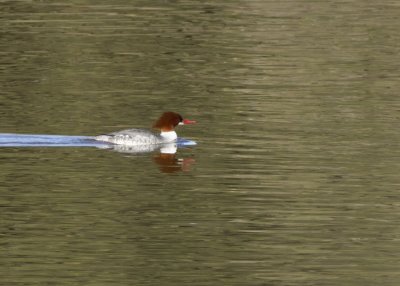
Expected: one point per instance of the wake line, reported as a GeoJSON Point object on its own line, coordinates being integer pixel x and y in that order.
{"type": "Point", "coordinates": [43, 140]}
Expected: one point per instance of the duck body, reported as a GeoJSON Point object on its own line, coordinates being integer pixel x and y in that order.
{"type": "Point", "coordinates": [135, 136]}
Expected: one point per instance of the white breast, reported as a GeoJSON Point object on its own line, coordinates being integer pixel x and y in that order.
{"type": "Point", "coordinates": [169, 136]}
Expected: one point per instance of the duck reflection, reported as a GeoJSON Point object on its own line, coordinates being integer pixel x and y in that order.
{"type": "Point", "coordinates": [168, 163]}
{"type": "Point", "coordinates": [165, 158]}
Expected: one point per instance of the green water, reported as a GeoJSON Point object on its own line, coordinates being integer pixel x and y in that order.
{"type": "Point", "coordinates": [295, 177]}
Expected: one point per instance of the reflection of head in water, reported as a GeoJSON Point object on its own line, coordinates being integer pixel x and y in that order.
{"type": "Point", "coordinates": [168, 163]}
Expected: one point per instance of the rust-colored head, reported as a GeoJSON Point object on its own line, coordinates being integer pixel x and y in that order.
{"type": "Point", "coordinates": [169, 120]}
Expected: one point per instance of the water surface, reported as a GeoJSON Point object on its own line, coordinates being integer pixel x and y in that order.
{"type": "Point", "coordinates": [295, 177]}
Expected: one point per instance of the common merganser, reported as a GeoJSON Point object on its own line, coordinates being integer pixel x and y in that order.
{"type": "Point", "coordinates": [133, 137]}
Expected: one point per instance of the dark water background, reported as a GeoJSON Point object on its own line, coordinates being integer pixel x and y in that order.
{"type": "Point", "coordinates": [295, 179]}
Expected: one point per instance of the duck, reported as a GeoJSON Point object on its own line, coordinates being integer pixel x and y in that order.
{"type": "Point", "coordinates": [166, 124]}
